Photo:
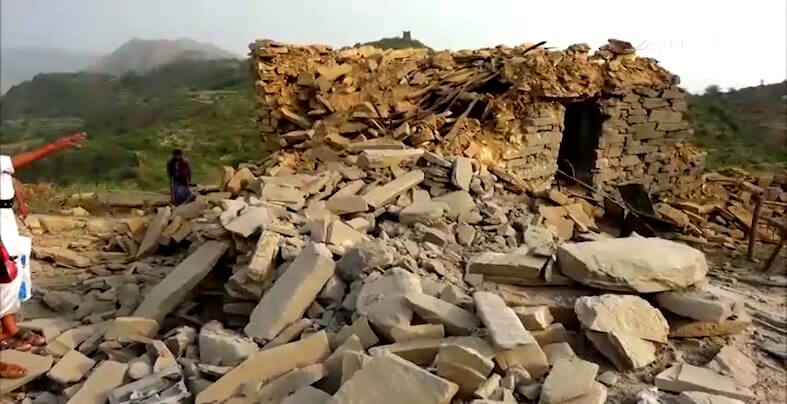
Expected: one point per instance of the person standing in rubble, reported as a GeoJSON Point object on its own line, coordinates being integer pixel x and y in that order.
{"type": "Point", "coordinates": [179, 173]}
{"type": "Point", "coordinates": [15, 252]}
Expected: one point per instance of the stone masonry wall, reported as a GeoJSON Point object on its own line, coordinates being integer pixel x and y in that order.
{"type": "Point", "coordinates": [642, 141]}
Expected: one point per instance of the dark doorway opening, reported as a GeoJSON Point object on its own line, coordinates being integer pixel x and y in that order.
{"type": "Point", "coordinates": [577, 155]}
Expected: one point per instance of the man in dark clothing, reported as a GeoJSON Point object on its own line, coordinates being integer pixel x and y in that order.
{"type": "Point", "coordinates": [179, 172]}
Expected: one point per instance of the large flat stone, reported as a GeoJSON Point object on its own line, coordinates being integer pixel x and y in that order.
{"type": "Point", "coordinates": [73, 337]}
{"type": "Point", "coordinates": [459, 202]}
{"type": "Point", "coordinates": [462, 173]}
{"type": "Point", "coordinates": [569, 379]}
{"type": "Point", "coordinates": [383, 194]}
{"type": "Point", "coordinates": [596, 395]}
{"type": "Point", "coordinates": [626, 314]}
{"type": "Point", "coordinates": [36, 366]}
{"type": "Point", "coordinates": [178, 283]}
{"type": "Point", "coordinates": [382, 299]}
{"type": "Point", "coordinates": [633, 264]}
{"type": "Point", "coordinates": [681, 327]}
{"type": "Point", "coordinates": [531, 357]}
{"type": "Point", "coordinates": [292, 293]}
{"type": "Point", "coordinates": [390, 380]}
{"type": "Point", "coordinates": [266, 365]}
{"type": "Point", "coordinates": [71, 368]}
{"type": "Point", "coordinates": [684, 377]}
{"type": "Point", "coordinates": [559, 300]}
{"type": "Point", "coordinates": [457, 321]}
{"type": "Point", "coordinates": [504, 327]}
{"type": "Point", "coordinates": [730, 361]}
{"type": "Point", "coordinates": [289, 383]}
{"type": "Point", "coordinates": [698, 397]}
{"type": "Point", "coordinates": [706, 303]}
{"type": "Point", "coordinates": [253, 219]}
{"type": "Point", "coordinates": [423, 352]}
{"type": "Point", "coordinates": [422, 212]}
{"type": "Point", "coordinates": [625, 351]}
{"type": "Point", "coordinates": [387, 158]}
{"type": "Point", "coordinates": [263, 261]}
{"type": "Point", "coordinates": [107, 376]}
{"type": "Point", "coordinates": [50, 328]}
{"type": "Point", "coordinates": [151, 240]}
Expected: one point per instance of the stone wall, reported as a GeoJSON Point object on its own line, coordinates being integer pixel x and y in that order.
{"type": "Point", "coordinates": [643, 141]}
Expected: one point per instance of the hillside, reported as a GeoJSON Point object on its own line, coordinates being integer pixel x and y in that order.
{"type": "Point", "coordinates": [745, 127]}
{"type": "Point", "coordinates": [141, 56]}
{"type": "Point", "coordinates": [134, 121]}
{"type": "Point", "coordinates": [20, 64]}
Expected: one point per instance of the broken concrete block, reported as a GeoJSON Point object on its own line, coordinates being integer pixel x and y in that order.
{"type": "Point", "coordinates": [504, 327]}
{"type": "Point", "coordinates": [289, 334]}
{"type": "Point", "coordinates": [381, 299]}
{"type": "Point", "coordinates": [530, 357]}
{"type": "Point", "coordinates": [351, 363]}
{"type": "Point", "coordinates": [108, 376]}
{"type": "Point", "coordinates": [361, 328]}
{"type": "Point", "coordinates": [381, 195]}
{"type": "Point", "coordinates": [488, 387]}
{"type": "Point", "coordinates": [454, 369]}
{"type": "Point", "coordinates": [698, 397]}
{"type": "Point", "coordinates": [422, 212]}
{"type": "Point", "coordinates": [267, 364]}
{"type": "Point", "coordinates": [387, 158]}
{"type": "Point", "coordinates": [732, 362]}
{"type": "Point", "coordinates": [347, 204]}
{"type": "Point", "coordinates": [625, 314]}
{"type": "Point", "coordinates": [459, 203]}
{"type": "Point", "coordinates": [553, 334]}
{"type": "Point", "coordinates": [36, 366]}
{"type": "Point", "coordinates": [288, 383]}
{"type": "Point", "coordinates": [534, 318]}
{"type": "Point", "coordinates": [307, 395]}
{"type": "Point", "coordinates": [462, 173]}
{"type": "Point", "coordinates": [684, 377]}
{"type": "Point", "coordinates": [264, 259]}
{"type": "Point", "coordinates": [240, 180]}
{"type": "Point", "coordinates": [249, 222]}
{"type": "Point", "coordinates": [73, 337]}
{"type": "Point", "coordinates": [423, 352]}
{"type": "Point", "coordinates": [153, 234]}
{"type": "Point", "coordinates": [632, 264]}
{"type": "Point", "coordinates": [506, 266]}
{"type": "Point", "coordinates": [392, 380]}
{"type": "Point", "coordinates": [125, 327]}
{"type": "Point", "coordinates": [221, 347]}
{"type": "Point", "coordinates": [71, 368]}
{"type": "Point", "coordinates": [342, 235]}
{"type": "Point", "coordinates": [707, 303]}
{"type": "Point", "coordinates": [569, 378]}
{"type": "Point", "coordinates": [292, 293]}
{"type": "Point", "coordinates": [277, 193]}
{"type": "Point", "coordinates": [178, 283]}
{"type": "Point", "coordinates": [558, 351]}
{"type": "Point", "coordinates": [457, 321]}
{"type": "Point", "coordinates": [417, 332]}
{"type": "Point", "coordinates": [625, 351]}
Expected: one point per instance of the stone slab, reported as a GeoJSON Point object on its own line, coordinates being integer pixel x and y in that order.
{"type": "Point", "coordinates": [266, 365]}
{"type": "Point", "coordinates": [626, 314]}
{"type": "Point", "coordinates": [457, 321]}
{"type": "Point", "coordinates": [383, 194]}
{"type": "Point", "coordinates": [569, 379]}
{"type": "Point", "coordinates": [71, 368]}
{"type": "Point", "coordinates": [292, 293]}
{"type": "Point", "coordinates": [504, 327]}
{"type": "Point", "coordinates": [178, 283]}
{"type": "Point", "coordinates": [107, 376]}
{"type": "Point", "coordinates": [36, 366]}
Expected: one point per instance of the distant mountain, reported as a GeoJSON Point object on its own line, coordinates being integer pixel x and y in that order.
{"type": "Point", "coordinates": [20, 64]}
{"type": "Point", "coordinates": [141, 56]}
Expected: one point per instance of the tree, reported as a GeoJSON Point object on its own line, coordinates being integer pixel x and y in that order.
{"type": "Point", "coordinates": [712, 89]}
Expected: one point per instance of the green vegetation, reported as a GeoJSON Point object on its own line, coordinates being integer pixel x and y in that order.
{"type": "Point", "coordinates": [404, 42]}
{"type": "Point", "coordinates": [745, 127]}
{"type": "Point", "coordinates": [202, 107]}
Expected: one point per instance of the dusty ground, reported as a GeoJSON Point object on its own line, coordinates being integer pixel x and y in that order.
{"type": "Point", "coordinates": [765, 296]}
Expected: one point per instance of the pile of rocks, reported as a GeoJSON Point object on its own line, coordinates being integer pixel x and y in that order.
{"type": "Point", "coordinates": [406, 276]}
{"type": "Point", "coordinates": [504, 107]}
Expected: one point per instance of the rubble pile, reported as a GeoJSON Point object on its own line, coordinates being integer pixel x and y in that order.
{"type": "Point", "coordinates": [720, 211]}
{"type": "Point", "coordinates": [384, 254]}
{"type": "Point", "coordinates": [353, 284]}
{"type": "Point", "coordinates": [504, 107]}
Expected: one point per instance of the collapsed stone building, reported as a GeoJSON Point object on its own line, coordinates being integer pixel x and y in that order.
{"type": "Point", "coordinates": [606, 118]}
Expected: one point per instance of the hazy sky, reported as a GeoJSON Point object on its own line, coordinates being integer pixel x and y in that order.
{"type": "Point", "coordinates": [729, 43]}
